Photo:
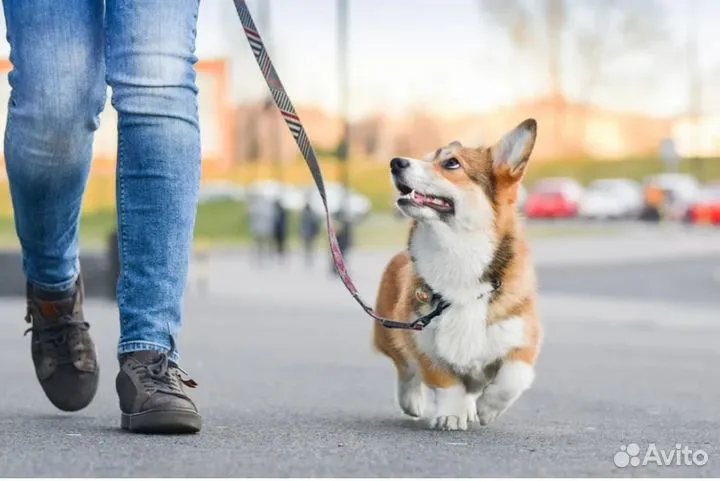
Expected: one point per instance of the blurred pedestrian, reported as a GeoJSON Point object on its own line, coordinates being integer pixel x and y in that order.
{"type": "Point", "coordinates": [65, 54]}
{"type": "Point", "coordinates": [280, 228]}
{"type": "Point", "coordinates": [654, 201]}
{"type": "Point", "coordinates": [309, 230]}
{"type": "Point", "coordinates": [261, 218]}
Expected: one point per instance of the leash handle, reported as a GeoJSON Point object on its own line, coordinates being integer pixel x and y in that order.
{"type": "Point", "coordinates": [287, 110]}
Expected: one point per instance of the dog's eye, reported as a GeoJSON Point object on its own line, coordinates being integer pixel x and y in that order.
{"type": "Point", "coordinates": [451, 164]}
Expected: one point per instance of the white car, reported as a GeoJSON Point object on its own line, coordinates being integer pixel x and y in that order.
{"type": "Point", "coordinates": [611, 199]}
{"type": "Point", "coordinates": [358, 206]}
{"type": "Point", "coordinates": [221, 190]}
{"type": "Point", "coordinates": [291, 197]}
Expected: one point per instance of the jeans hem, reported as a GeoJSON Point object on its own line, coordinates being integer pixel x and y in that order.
{"type": "Point", "coordinates": [63, 286]}
{"type": "Point", "coordinates": [134, 346]}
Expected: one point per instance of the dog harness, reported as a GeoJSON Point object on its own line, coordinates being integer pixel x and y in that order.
{"type": "Point", "coordinates": [424, 294]}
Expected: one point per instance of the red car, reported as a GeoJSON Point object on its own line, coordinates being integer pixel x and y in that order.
{"type": "Point", "coordinates": [706, 209]}
{"type": "Point", "coordinates": [553, 198]}
{"type": "Point", "coordinates": [549, 205]}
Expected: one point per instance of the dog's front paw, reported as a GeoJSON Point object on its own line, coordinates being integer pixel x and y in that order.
{"type": "Point", "coordinates": [449, 423]}
{"type": "Point", "coordinates": [471, 409]}
{"type": "Point", "coordinates": [455, 409]}
{"type": "Point", "coordinates": [411, 398]}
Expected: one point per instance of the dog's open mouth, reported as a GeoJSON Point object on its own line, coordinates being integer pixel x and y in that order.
{"type": "Point", "coordinates": [409, 196]}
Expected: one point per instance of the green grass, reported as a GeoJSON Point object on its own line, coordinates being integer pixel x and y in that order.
{"type": "Point", "coordinates": [220, 223]}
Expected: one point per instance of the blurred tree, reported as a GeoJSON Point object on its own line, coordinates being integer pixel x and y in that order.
{"type": "Point", "coordinates": [613, 47]}
{"type": "Point", "coordinates": [617, 46]}
{"type": "Point", "coordinates": [253, 153]}
{"type": "Point", "coordinates": [713, 91]}
{"type": "Point", "coordinates": [600, 38]}
{"type": "Point", "coordinates": [534, 43]}
{"type": "Point", "coordinates": [516, 23]}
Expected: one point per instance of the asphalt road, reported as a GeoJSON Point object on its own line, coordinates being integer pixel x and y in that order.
{"type": "Point", "coordinates": [290, 387]}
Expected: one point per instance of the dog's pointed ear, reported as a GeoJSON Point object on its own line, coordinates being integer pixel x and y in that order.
{"type": "Point", "coordinates": [512, 152]}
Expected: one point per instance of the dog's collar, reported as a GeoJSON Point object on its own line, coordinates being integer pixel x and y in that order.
{"type": "Point", "coordinates": [426, 295]}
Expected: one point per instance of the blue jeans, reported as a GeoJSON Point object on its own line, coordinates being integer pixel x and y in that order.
{"type": "Point", "coordinates": [64, 54]}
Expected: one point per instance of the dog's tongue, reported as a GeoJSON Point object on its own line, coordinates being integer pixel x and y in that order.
{"type": "Point", "coordinates": [419, 198]}
{"type": "Point", "coordinates": [427, 200]}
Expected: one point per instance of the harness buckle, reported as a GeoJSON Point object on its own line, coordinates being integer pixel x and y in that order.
{"type": "Point", "coordinates": [422, 294]}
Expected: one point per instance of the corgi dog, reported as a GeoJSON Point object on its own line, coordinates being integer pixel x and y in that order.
{"type": "Point", "coordinates": [466, 248]}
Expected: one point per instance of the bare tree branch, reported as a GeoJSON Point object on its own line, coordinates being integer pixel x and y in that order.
{"type": "Point", "coordinates": [615, 43]}
{"type": "Point", "coordinates": [513, 17]}
{"type": "Point", "coordinates": [514, 20]}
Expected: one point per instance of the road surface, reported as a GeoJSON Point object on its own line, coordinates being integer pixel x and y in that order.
{"type": "Point", "coordinates": [290, 387]}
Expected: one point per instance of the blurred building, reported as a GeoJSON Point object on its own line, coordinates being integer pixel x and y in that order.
{"type": "Point", "coordinates": [256, 124]}
{"type": "Point", "coordinates": [567, 130]}
{"type": "Point", "coordinates": [697, 137]}
{"type": "Point", "coordinates": [571, 130]}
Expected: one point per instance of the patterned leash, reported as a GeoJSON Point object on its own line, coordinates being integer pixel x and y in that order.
{"type": "Point", "coordinates": [292, 120]}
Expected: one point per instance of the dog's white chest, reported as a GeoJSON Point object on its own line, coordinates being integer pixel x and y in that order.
{"type": "Point", "coordinates": [461, 339]}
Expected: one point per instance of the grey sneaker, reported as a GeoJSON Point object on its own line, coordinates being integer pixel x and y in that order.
{"type": "Point", "coordinates": [152, 395]}
{"type": "Point", "coordinates": [62, 350]}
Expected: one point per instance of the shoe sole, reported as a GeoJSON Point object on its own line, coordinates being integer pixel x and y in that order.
{"type": "Point", "coordinates": [74, 405]}
{"type": "Point", "coordinates": [162, 422]}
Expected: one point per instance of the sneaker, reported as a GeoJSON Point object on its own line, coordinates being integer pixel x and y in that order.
{"type": "Point", "coordinates": [62, 351]}
{"type": "Point", "coordinates": [152, 396]}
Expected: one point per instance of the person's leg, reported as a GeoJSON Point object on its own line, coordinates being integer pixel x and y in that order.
{"type": "Point", "coordinates": [57, 93]}
{"type": "Point", "coordinates": [150, 67]}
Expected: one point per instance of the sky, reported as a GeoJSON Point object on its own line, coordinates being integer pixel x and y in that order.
{"type": "Point", "coordinates": [437, 55]}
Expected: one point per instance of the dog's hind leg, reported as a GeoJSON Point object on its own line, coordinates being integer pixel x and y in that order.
{"type": "Point", "coordinates": [514, 377]}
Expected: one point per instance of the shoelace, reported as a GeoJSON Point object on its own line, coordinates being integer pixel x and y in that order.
{"type": "Point", "coordinates": [162, 370]}
{"type": "Point", "coordinates": [58, 336]}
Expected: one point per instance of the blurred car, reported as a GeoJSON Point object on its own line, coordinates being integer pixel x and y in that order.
{"type": "Point", "coordinates": [681, 191]}
{"type": "Point", "coordinates": [358, 206]}
{"type": "Point", "coordinates": [615, 198]}
{"type": "Point", "coordinates": [270, 190]}
{"type": "Point", "coordinates": [220, 191]}
{"type": "Point", "coordinates": [706, 208]}
{"type": "Point", "coordinates": [554, 197]}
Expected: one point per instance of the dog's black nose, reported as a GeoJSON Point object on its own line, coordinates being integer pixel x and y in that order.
{"type": "Point", "coordinates": [398, 164]}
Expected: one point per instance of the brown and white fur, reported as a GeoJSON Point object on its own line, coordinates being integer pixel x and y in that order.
{"type": "Point", "coordinates": [478, 356]}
